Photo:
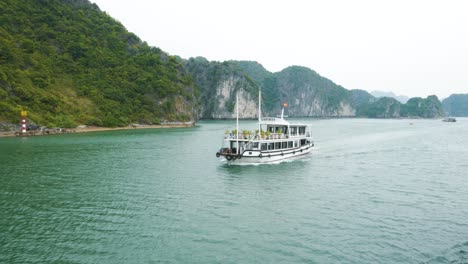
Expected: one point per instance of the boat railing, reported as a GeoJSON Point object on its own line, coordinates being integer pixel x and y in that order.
{"type": "Point", "coordinates": [241, 136]}
{"type": "Point", "coordinates": [271, 136]}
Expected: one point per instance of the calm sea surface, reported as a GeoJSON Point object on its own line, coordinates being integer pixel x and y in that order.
{"type": "Point", "coordinates": [373, 191]}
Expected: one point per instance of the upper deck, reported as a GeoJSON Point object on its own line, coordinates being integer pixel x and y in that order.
{"type": "Point", "coordinates": [272, 129]}
{"type": "Point", "coordinates": [273, 121]}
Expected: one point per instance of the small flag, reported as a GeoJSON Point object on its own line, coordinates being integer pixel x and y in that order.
{"type": "Point", "coordinates": [285, 104]}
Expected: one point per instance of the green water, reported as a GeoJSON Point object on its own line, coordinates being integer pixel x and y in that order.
{"type": "Point", "coordinates": [373, 191]}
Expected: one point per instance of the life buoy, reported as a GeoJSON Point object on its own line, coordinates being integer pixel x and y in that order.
{"type": "Point", "coordinates": [228, 157]}
{"type": "Point", "coordinates": [260, 155]}
{"type": "Point", "coordinates": [217, 154]}
{"type": "Point", "coordinates": [301, 150]}
{"type": "Point", "coordinates": [234, 157]}
{"type": "Point", "coordinates": [282, 154]}
{"type": "Point", "coordinates": [294, 152]}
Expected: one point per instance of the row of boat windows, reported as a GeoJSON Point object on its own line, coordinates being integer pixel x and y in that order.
{"type": "Point", "coordinates": [284, 130]}
{"type": "Point", "coordinates": [279, 145]}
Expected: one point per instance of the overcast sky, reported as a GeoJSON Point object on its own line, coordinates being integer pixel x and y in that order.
{"type": "Point", "coordinates": [410, 47]}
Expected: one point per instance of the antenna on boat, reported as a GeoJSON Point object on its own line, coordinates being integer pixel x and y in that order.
{"type": "Point", "coordinates": [237, 122]}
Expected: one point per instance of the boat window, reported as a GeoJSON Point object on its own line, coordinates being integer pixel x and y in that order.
{"type": "Point", "coordinates": [290, 144]}
{"type": "Point", "coordinates": [277, 145]}
{"type": "Point", "coordinates": [296, 144]}
{"type": "Point", "coordinates": [303, 142]}
{"type": "Point", "coordinates": [293, 131]}
{"type": "Point", "coordinates": [263, 146]}
{"type": "Point", "coordinates": [255, 145]}
{"type": "Point", "coordinates": [271, 146]}
{"type": "Point", "coordinates": [284, 144]}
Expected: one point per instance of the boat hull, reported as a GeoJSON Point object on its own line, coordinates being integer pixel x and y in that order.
{"type": "Point", "coordinates": [262, 157]}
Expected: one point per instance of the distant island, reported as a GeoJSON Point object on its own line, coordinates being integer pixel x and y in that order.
{"type": "Point", "coordinates": [456, 105]}
{"type": "Point", "coordinates": [68, 63]}
{"type": "Point", "coordinates": [400, 98]}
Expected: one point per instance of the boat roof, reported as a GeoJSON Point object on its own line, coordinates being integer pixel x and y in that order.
{"type": "Point", "coordinates": [277, 121]}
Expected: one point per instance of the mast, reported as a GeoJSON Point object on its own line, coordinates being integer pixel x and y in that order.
{"type": "Point", "coordinates": [259, 110]}
{"type": "Point", "coordinates": [237, 122]}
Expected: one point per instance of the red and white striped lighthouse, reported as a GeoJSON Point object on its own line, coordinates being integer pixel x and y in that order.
{"type": "Point", "coordinates": [23, 121]}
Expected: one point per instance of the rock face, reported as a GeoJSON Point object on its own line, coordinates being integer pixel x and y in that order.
{"type": "Point", "coordinates": [307, 94]}
{"type": "Point", "coordinates": [219, 83]}
{"type": "Point", "coordinates": [226, 97]}
{"type": "Point", "coordinates": [310, 94]}
{"type": "Point", "coordinates": [456, 105]}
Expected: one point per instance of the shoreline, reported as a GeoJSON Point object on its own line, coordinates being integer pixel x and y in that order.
{"type": "Point", "coordinates": [89, 129]}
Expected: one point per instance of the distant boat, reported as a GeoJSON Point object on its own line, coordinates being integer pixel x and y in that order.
{"type": "Point", "coordinates": [276, 139]}
{"type": "Point", "coordinates": [449, 119]}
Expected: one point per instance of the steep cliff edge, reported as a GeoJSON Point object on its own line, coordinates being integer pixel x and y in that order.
{"type": "Point", "coordinates": [219, 83]}
{"type": "Point", "coordinates": [309, 94]}
{"type": "Point", "coordinates": [306, 92]}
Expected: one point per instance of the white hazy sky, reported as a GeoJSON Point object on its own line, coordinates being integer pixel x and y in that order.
{"type": "Point", "coordinates": [410, 47]}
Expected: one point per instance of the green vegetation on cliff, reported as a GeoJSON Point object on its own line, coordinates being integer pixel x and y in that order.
{"type": "Point", "coordinates": [297, 83]}
{"type": "Point", "coordinates": [384, 107]}
{"type": "Point", "coordinates": [387, 107]}
{"type": "Point", "coordinates": [68, 63]}
{"type": "Point", "coordinates": [430, 107]}
{"type": "Point", "coordinates": [310, 94]}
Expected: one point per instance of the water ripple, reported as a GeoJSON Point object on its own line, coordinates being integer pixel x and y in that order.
{"type": "Point", "coordinates": [373, 191]}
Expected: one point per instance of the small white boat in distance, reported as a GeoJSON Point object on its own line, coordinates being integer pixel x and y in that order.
{"type": "Point", "coordinates": [449, 119]}
{"type": "Point", "coordinates": [276, 139]}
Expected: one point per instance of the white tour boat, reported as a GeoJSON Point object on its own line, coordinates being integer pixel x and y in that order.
{"type": "Point", "coordinates": [276, 139]}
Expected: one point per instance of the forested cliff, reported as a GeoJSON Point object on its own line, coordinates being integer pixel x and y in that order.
{"type": "Point", "coordinates": [68, 63]}
{"type": "Point", "coordinates": [310, 95]}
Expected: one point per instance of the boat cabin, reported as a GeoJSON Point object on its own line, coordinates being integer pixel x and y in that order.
{"type": "Point", "coordinates": [274, 134]}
